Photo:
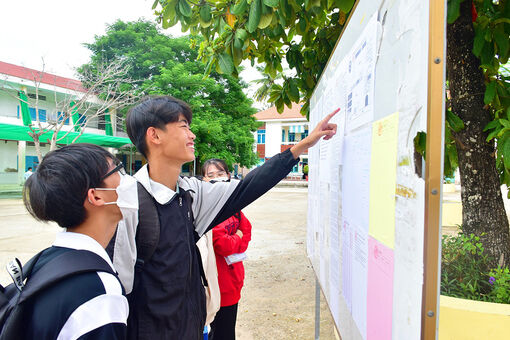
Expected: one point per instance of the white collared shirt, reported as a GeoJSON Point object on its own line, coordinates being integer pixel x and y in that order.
{"type": "Point", "coordinates": [161, 193]}
{"type": "Point", "coordinates": [80, 241]}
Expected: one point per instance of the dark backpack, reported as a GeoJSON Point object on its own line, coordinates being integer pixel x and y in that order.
{"type": "Point", "coordinates": [147, 233]}
{"type": "Point", "coordinates": [14, 296]}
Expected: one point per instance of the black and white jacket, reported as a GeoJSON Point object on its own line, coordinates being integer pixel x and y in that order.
{"type": "Point", "coordinates": [84, 306]}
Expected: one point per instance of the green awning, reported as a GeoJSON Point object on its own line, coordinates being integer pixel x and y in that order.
{"type": "Point", "coordinates": [25, 114]}
{"type": "Point", "coordinates": [19, 132]}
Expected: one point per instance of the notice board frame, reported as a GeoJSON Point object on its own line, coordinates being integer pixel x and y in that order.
{"type": "Point", "coordinates": [433, 169]}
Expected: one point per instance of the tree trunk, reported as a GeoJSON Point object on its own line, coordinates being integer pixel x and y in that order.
{"type": "Point", "coordinates": [37, 144]}
{"type": "Point", "coordinates": [483, 211]}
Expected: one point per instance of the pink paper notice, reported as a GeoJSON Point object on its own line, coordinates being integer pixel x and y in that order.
{"type": "Point", "coordinates": [380, 290]}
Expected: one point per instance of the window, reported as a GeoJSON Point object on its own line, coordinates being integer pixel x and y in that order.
{"type": "Point", "coordinates": [42, 114]}
{"type": "Point", "coordinates": [61, 116]}
{"type": "Point", "coordinates": [283, 135]}
{"type": "Point", "coordinates": [33, 96]}
{"type": "Point", "coordinates": [305, 134]}
{"type": "Point", "coordinates": [261, 136]}
{"type": "Point", "coordinates": [295, 168]}
{"type": "Point", "coordinates": [292, 136]}
{"type": "Point", "coordinates": [101, 122]}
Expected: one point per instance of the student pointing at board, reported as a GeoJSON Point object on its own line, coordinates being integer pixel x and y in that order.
{"type": "Point", "coordinates": [166, 287]}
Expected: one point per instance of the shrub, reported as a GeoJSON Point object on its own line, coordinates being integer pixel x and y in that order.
{"type": "Point", "coordinates": [464, 268]}
{"type": "Point", "coordinates": [500, 281]}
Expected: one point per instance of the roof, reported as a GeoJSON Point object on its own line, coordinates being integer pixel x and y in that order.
{"type": "Point", "coordinates": [43, 77]}
{"type": "Point", "coordinates": [20, 132]}
{"type": "Point", "coordinates": [287, 113]}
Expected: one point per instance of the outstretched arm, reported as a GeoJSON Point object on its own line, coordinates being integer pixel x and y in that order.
{"type": "Point", "coordinates": [214, 203]}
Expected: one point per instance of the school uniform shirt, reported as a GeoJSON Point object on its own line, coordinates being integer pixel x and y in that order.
{"type": "Point", "coordinates": [83, 306]}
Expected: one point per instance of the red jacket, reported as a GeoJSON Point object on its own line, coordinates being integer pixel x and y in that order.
{"type": "Point", "coordinates": [225, 243]}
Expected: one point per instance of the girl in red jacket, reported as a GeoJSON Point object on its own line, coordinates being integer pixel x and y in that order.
{"type": "Point", "coordinates": [230, 240]}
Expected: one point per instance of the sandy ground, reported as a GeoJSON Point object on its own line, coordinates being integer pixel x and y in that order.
{"type": "Point", "coordinates": [278, 299]}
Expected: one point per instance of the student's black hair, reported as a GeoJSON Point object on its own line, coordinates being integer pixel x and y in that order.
{"type": "Point", "coordinates": [29, 168]}
{"type": "Point", "coordinates": [154, 112]}
{"type": "Point", "coordinates": [57, 190]}
{"type": "Point", "coordinates": [219, 163]}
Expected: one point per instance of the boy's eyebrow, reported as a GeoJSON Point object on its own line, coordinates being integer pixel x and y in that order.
{"type": "Point", "coordinates": [184, 121]}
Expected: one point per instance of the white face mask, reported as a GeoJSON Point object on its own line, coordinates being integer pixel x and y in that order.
{"type": "Point", "coordinates": [220, 179]}
{"type": "Point", "coordinates": [126, 200]}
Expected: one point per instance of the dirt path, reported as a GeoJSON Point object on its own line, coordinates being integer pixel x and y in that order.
{"type": "Point", "coordinates": [278, 299]}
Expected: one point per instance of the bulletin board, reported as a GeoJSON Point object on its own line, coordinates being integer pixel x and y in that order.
{"type": "Point", "coordinates": [374, 203]}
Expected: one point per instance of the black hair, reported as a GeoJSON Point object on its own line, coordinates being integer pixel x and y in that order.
{"type": "Point", "coordinates": [29, 168]}
{"type": "Point", "coordinates": [154, 112]}
{"type": "Point", "coordinates": [219, 163]}
{"type": "Point", "coordinates": [57, 190]}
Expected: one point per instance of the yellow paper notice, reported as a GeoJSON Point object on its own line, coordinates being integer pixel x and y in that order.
{"type": "Point", "coordinates": [383, 174]}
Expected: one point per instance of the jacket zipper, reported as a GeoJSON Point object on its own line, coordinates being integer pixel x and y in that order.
{"type": "Point", "coordinates": [187, 238]}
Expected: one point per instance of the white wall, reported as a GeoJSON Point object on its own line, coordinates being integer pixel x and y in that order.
{"type": "Point", "coordinates": [7, 105]}
{"type": "Point", "coordinates": [8, 155]}
{"type": "Point", "coordinates": [273, 138]}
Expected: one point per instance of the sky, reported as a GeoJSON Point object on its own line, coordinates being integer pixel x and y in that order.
{"type": "Point", "coordinates": [54, 31]}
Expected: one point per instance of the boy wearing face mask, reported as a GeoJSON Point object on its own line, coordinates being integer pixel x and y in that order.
{"type": "Point", "coordinates": [76, 186]}
{"type": "Point", "coordinates": [167, 299]}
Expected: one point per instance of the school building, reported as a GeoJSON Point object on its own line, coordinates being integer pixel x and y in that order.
{"type": "Point", "coordinates": [46, 92]}
{"type": "Point", "coordinates": [280, 132]}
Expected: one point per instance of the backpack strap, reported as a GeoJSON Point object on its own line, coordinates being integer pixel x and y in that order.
{"type": "Point", "coordinates": [147, 233]}
{"type": "Point", "coordinates": [65, 265]}
{"type": "Point", "coordinates": [189, 200]}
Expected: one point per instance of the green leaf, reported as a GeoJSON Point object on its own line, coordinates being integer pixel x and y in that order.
{"type": "Point", "coordinates": [505, 123]}
{"type": "Point", "coordinates": [490, 91]}
{"type": "Point", "coordinates": [205, 13]}
{"type": "Point", "coordinates": [239, 8]}
{"type": "Point", "coordinates": [169, 11]}
{"type": "Point", "coordinates": [506, 153]}
{"type": "Point", "coordinates": [185, 8]}
{"type": "Point", "coordinates": [345, 5]}
{"type": "Point", "coordinates": [225, 63]}
{"type": "Point", "coordinates": [453, 10]}
{"type": "Point", "coordinates": [241, 34]}
{"type": "Point", "coordinates": [455, 122]}
{"type": "Point", "coordinates": [420, 143]}
{"type": "Point", "coordinates": [155, 4]}
{"type": "Point", "coordinates": [487, 54]}
{"type": "Point", "coordinates": [293, 91]}
{"type": "Point", "coordinates": [271, 3]}
{"type": "Point", "coordinates": [493, 124]}
{"type": "Point", "coordinates": [279, 105]}
{"type": "Point", "coordinates": [254, 16]}
{"type": "Point", "coordinates": [502, 43]}
{"type": "Point", "coordinates": [478, 42]}
{"type": "Point", "coordinates": [265, 20]}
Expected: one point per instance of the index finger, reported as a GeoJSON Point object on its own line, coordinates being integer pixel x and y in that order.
{"type": "Point", "coordinates": [328, 117]}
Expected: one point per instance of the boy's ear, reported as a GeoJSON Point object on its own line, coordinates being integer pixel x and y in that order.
{"type": "Point", "coordinates": [94, 198]}
{"type": "Point", "coordinates": [152, 135]}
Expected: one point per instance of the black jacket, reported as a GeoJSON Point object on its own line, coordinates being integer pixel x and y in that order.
{"type": "Point", "coordinates": [167, 301]}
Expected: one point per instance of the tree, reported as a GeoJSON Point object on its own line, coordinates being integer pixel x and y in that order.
{"type": "Point", "coordinates": [479, 117]}
{"type": "Point", "coordinates": [76, 108]}
{"type": "Point", "coordinates": [222, 114]}
{"type": "Point", "coordinates": [265, 83]}
{"type": "Point", "coordinates": [267, 31]}
{"type": "Point", "coordinates": [303, 32]}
